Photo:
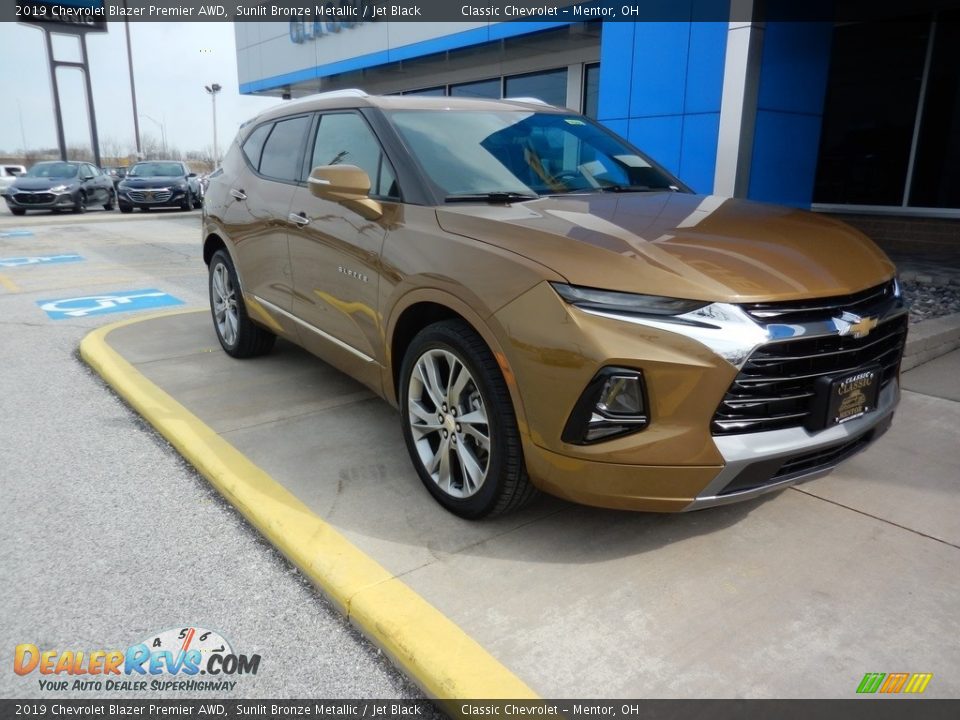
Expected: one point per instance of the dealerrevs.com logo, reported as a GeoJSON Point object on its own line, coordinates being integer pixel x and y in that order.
{"type": "Point", "coordinates": [174, 659]}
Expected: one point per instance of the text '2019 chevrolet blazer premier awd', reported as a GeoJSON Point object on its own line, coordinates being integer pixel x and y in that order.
{"type": "Point", "coordinates": [548, 307]}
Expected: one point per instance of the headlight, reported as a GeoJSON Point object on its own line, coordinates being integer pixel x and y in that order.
{"type": "Point", "coordinates": [59, 188]}
{"type": "Point", "coordinates": [181, 186]}
{"type": "Point", "coordinates": [625, 303]}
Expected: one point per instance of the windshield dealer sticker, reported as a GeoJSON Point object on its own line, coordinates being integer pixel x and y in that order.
{"type": "Point", "coordinates": [124, 301]}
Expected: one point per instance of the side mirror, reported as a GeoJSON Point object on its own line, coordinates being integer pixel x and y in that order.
{"type": "Point", "coordinates": [192, 175]}
{"type": "Point", "coordinates": [347, 185]}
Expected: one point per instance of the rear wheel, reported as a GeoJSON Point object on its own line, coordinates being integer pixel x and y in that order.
{"type": "Point", "coordinates": [459, 424]}
{"type": "Point", "coordinates": [238, 335]}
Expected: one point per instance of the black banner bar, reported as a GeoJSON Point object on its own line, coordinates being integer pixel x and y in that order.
{"type": "Point", "coordinates": [350, 12]}
{"type": "Point", "coordinates": [873, 708]}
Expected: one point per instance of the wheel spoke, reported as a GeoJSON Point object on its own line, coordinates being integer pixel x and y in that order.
{"type": "Point", "coordinates": [459, 377]}
{"type": "Point", "coordinates": [443, 476]}
{"type": "Point", "coordinates": [474, 417]}
{"type": "Point", "coordinates": [426, 379]}
{"type": "Point", "coordinates": [473, 473]}
{"type": "Point", "coordinates": [482, 440]}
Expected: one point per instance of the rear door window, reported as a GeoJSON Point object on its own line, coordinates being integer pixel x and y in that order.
{"type": "Point", "coordinates": [282, 151]}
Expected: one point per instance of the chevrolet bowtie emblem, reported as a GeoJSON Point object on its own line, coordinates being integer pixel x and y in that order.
{"type": "Point", "coordinates": [852, 324]}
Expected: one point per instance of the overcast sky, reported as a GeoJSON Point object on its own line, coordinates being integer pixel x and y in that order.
{"type": "Point", "coordinates": [171, 64]}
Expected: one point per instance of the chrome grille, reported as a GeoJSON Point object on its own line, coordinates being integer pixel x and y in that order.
{"type": "Point", "coordinates": [159, 196]}
{"type": "Point", "coordinates": [861, 303]}
{"type": "Point", "coordinates": [29, 198]}
{"type": "Point", "coordinates": [775, 388]}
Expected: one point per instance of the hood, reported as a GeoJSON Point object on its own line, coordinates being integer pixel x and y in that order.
{"type": "Point", "coordinates": [701, 247]}
{"type": "Point", "coordinates": [42, 183]}
{"type": "Point", "coordinates": [152, 182]}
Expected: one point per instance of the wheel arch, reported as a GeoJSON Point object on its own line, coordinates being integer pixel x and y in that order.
{"type": "Point", "coordinates": [421, 308]}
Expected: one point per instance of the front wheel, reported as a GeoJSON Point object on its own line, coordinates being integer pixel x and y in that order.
{"type": "Point", "coordinates": [111, 199]}
{"type": "Point", "coordinates": [81, 205]}
{"type": "Point", "coordinates": [18, 211]}
{"type": "Point", "coordinates": [187, 202]}
{"type": "Point", "coordinates": [238, 336]}
{"type": "Point", "coordinates": [459, 424]}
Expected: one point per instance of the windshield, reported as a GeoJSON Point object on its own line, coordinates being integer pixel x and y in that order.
{"type": "Point", "coordinates": [53, 170]}
{"type": "Point", "coordinates": [482, 151]}
{"type": "Point", "coordinates": [156, 169]}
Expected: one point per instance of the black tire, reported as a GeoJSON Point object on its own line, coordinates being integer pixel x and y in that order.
{"type": "Point", "coordinates": [506, 486]}
{"type": "Point", "coordinates": [187, 202]}
{"type": "Point", "coordinates": [251, 340]}
{"type": "Point", "coordinates": [197, 202]}
{"type": "Point", "coordinates": [81, 204]}
{"type": "Point", "coordinates": [124, 208]}
{"type": "Point", "coordinates": [111, 199]}
{"type": "Point", "coordinates": [18, 211]}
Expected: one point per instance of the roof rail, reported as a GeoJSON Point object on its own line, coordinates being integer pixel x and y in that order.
{"type": "Point", "coordinates": [346, 92]}
{"type": "Point", "coordinates": [529, 100]}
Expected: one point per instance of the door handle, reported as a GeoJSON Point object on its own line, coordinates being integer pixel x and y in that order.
{"type": "Point", "coordinates": [238, 194]}
{"type": "Point", "coordinates": [300, 219]}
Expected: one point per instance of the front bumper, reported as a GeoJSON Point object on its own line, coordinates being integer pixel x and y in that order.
{"type": "Point", "coordinates": [152, 197]}
{"type": "Point", "coordinates": [39, 199]}
{"type": "Point", "coordinates": [679, 462]}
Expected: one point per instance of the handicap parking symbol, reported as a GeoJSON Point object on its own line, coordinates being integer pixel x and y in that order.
{"type": "Point", "coordinates": [123, 301]}
{"type": "Point", "coordinates": [38, 260]}
{"type": "Point", "coordinates": [16, 234]}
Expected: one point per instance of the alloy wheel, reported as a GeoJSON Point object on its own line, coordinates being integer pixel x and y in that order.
{"type": "Point", "coordinates": [225, 304]}
{"type": "Point", "coordinates": [449, 424]}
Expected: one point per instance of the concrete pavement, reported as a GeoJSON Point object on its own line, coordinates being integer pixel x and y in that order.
{"type": "Point", "coordinates": [794, 595]}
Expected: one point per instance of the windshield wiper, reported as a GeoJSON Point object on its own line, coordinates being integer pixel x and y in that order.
{"type": "Point", "coordinates": [500, 196]}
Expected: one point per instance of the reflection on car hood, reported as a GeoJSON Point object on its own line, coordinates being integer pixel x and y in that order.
{"type": "Point", "coordinates": [701, 247]}
{"type": "Point", "coordinates": [151, 182]}
{"type": "Point", "coordinates": [24, 183]}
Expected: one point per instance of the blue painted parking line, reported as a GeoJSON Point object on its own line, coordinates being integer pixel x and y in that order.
{"type": "Point", "coordinates": [16, 233]}
{"type": "Point", "coordinates": [122, 301]}
{"type": "Point", "coordinates": [38, 260]}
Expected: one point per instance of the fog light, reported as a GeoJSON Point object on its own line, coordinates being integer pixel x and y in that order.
{"type": "Point", "coordinates": [613, 404]}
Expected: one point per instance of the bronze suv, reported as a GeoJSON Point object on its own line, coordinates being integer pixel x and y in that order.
{"type": "Point", "coordinates": [547, 306]}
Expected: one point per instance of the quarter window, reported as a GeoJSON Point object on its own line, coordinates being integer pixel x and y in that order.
{"type": "Point", "coordinates": [254, 145]}
{"type": "Point", "coordinates": [346, 139]}
{"type": "Point", "coordinates": [281, 152]}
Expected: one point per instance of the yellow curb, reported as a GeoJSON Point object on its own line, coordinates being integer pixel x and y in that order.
{"type": "Point", "coordinates": [441, 658]}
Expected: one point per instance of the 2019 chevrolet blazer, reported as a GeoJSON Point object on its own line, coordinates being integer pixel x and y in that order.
{"type": "Point", "coordinates": [547, 306]}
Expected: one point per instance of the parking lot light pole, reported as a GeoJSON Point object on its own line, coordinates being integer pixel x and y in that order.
{"type": "Point", "coordinates": [163, 132]}
{"type": "Point", "coordinates": [213, 90]}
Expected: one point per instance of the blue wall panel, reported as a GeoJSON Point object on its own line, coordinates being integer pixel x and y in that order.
{"type": "Point", "coordinates": [793, 82]}
{"type": "Point", "coordinates": [698, 151]}
{"type": "Point", "coordinates": [661, 85]}
{"type": "Point", "coordinates": [708, 47]}
{"type": "Point", "coordinates": [784, 158]}
{"type": "Point", "coordinates": [616, 69]}
{"type": "Point", "coordinates": [660, 53]}
{"type": "Point", "coordinates": [659, 137]}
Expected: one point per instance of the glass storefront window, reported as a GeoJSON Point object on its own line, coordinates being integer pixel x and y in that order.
{"type": "Point", "coordinates": [591, 90]}
{"type": "Point", "coordinates": [936, 170]}
{"type": "Point", "coordinates": [549, 86]}
{"type": "Point", "coordinates": [870, 111]}
{"type": "Point", "coordinates": [482, 89]}
{"type": "Point", "coordinates": [430, 92]}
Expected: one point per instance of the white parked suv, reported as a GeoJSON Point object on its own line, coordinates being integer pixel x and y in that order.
{"type": "Point", "coordinates": [9, 173]}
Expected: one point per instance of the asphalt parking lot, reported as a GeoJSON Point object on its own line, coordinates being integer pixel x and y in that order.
{"type": "Point", "coordinates": [795, 595]}
{"type": "Point", "coordinates": [108, 536]}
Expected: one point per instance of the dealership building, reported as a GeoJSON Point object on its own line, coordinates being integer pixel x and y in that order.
{"type": "Point", "coordinates": [859, 117]}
